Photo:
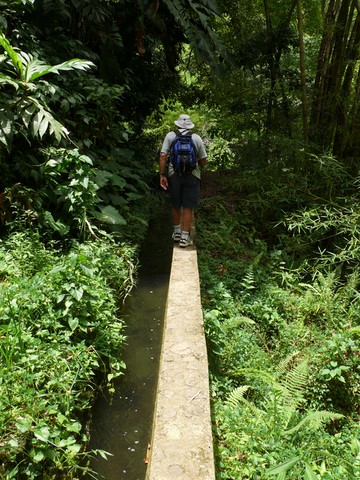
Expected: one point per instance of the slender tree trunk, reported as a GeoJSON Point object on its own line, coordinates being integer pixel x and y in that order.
{"type": "Point", "coordinates": [272, 69]}
{"type": "Point", "coordinates": [285, 99]}
{"type": "Point", "coordinates": [337, 70]}
{"type": "Point", "coordinates": [338, 55]}
{"type": "Point", "coordinates": [304, 102]}
{"type": "Point", "coordinates": [322, 71]}
{"type": "Point", "coordinates": [343, 126]}
{"type": "Point", "coordinates": [354, 118]}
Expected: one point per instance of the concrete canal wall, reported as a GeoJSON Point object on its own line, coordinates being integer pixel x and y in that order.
{"type": "Point", "coordinates": [181, 446]}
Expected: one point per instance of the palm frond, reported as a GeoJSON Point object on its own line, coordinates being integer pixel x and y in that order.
{"type": "Point", "coordinates": [36, 68]}
{"type": "Point", "coordinates": [40, 120]}
{"type": "Point", "coordinates": [6, 131]}
{"type": "Point", "coordinates": [14, 57]}
{"type": "Point", "coordinates": [5, 79]}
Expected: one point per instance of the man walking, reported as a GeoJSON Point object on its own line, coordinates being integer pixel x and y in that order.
{"type": "Point", "coordinates": [183, 184]}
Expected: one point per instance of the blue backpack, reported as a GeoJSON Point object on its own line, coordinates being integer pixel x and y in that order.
{"type": "Point", "coordinates": [183, 153]}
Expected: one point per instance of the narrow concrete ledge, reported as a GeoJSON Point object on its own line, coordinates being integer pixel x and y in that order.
{"type": "Point", "coordinates": [181, 446]}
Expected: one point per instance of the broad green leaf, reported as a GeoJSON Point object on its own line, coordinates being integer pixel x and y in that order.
{"type": "Point", "coordinates": [37, 456]}
{"type": "Point", "coordinates": [74, 448]}
{"type": "Point", "coordinates": [73, 323]}
{"type": "Point", "coordinates": [87, 270]}
{"type": "Point", "coordinates": [43, 127]}
{"type": "Point", "coordinates": [283, 467]}
{"type": "Point", "coordinates": [74, 427]}
{"type": "Point", "coordinates": [27, 114]}
{"type": "Point", "coordinates": [85, 182]}
{"type": "Point", "coordinates": [57, 269]}
{"type": "Point", "coordinates": [110, 215]}
{"type": "Point", "coordinates": [309, 474]}
{"type": "Point", "coordinates": [13, 442]}
{"type": "Point", "coordinates": [37, 119]}
{"type": "Point", "coordinates": [57, 226]}
{"type": "Point", "coordinates": [42, 434]}
{"type": "Point", "coordinates": [118, 181]}
{"type": "Point", "coordinates": [3, 23]}
{"type": "Point", "coordinates": [65, 442]}
{"type": "Point", "coordinates": [86, 159]}
{"type": "Point", "coordinates": [77, 293]}
{"type": "Point", "coordinates": [102, 178]}
{"type": "Point", "coordinates": [24, 425]}
{"type": "Point", "coordinates": [61, 418]}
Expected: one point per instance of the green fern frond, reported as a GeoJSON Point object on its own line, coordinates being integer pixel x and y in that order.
{"type": "Point", "coordinates": [295, 383]}
{"type": "Point", "coordinates": [262, 375]}
{"type": "Point", "coordinates": [237, 396]}
{"type": "Point", "coordinates": [283, 366]}
{"type": "Point", "coordinates": [314, 421]}
{"type": "Point", "coordinates": [249, 282]}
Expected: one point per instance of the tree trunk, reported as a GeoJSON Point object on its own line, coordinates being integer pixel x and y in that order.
{"type": "Point", "coordinates": [354, 136]}
{"type": "Point", "coordinates": [272, 69]}
{"type": "Point", "coordinates": [304, 102]}
{"type": "Point", "coordinates": [323, 66]}
{"type": "Point", "coordinates": [338, 54]}
{"type": "Point", "coordinates": [342, 114]}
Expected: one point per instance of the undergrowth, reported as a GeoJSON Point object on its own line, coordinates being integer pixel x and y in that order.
{"type": "Point", "coordinates": [280, 291]}
{"type": "Point", "coordinates": [60, 338]}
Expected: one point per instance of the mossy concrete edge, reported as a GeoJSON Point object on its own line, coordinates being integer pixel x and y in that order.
{"type": "Point", "coordinates": [182, 443]}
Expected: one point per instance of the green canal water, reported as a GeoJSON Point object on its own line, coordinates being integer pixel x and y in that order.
{"type": "Point", "coordinates": [122, 425]}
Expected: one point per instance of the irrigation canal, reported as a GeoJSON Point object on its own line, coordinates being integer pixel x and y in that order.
{"type": "Point", "coordinates": [123, 425]}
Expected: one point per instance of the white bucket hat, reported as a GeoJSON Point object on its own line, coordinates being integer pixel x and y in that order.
{"type": "Point", "coordinates": [184, 121]}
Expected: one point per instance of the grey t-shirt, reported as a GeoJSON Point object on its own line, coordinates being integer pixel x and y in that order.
{"type": "Point", "coordinates": [199, 146]}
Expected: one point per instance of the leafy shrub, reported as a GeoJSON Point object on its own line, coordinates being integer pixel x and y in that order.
{"type": "Point", "coordinates": [265, 296]}
{"type": "Point", "coordinates": [60, 335]}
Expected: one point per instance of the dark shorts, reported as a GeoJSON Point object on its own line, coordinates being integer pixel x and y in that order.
{"type": "Point", "coordinates": [184, 191]}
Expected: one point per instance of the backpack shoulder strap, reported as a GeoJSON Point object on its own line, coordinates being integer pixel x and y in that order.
{"type": "Point", "coordinates": [179, 134]}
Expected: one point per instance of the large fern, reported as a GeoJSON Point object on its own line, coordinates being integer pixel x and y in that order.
{"type": "Point", "coordinates": [285, 397]}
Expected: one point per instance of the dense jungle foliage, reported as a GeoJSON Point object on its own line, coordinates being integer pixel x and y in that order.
{"type": "Point", "coordinates": [88, 88]}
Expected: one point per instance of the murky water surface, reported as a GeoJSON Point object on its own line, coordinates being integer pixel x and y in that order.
{"type": "Point", "coordinates": [123, 426]}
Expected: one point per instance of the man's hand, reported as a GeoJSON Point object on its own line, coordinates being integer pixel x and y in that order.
{"type": "Point", "coordinates": [163, 182]}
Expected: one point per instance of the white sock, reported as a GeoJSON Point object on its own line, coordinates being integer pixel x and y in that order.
{"type": "Point", "coordinates": [184, 234]}
{"type": "Point", "coordinates": [177, 229]}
